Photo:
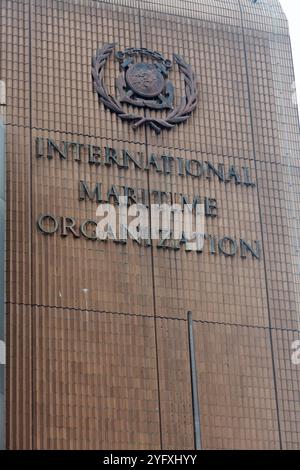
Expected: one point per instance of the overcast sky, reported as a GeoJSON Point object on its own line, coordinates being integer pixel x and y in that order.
{"type": "Point", "coordinates": [292, 10]}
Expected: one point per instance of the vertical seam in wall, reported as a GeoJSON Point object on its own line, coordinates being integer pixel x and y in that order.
{"type": "Point", "coordinates": [152, 265]}
{"type": "Point", "coordinates": [6, 388]}
{"type": "Point", "coordinates": [30, 232]}
{"type": "Point", "coordinates": [261, 228]}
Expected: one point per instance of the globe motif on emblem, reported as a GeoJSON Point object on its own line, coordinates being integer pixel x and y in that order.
{"type": "Point", "coordinates": [145, 80]}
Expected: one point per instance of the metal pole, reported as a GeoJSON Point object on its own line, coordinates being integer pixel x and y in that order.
{"type": "Point", "coordinates": [195, 398]}
{"type": "Point", "coordinates": [2, 274]}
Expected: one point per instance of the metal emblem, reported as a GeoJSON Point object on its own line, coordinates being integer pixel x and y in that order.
{"type": "Point", "coordinates": [143, 83]}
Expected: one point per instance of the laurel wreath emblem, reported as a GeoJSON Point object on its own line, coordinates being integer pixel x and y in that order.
{"type": "Point", "coordinates": [176, 116]}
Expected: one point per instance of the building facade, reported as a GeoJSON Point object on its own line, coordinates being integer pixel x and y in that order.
{"type": "Point", "coordinates": [98, 339]}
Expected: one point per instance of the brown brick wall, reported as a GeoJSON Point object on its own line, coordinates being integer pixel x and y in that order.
{"type": "Point", "coordinates": [110, 368]}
